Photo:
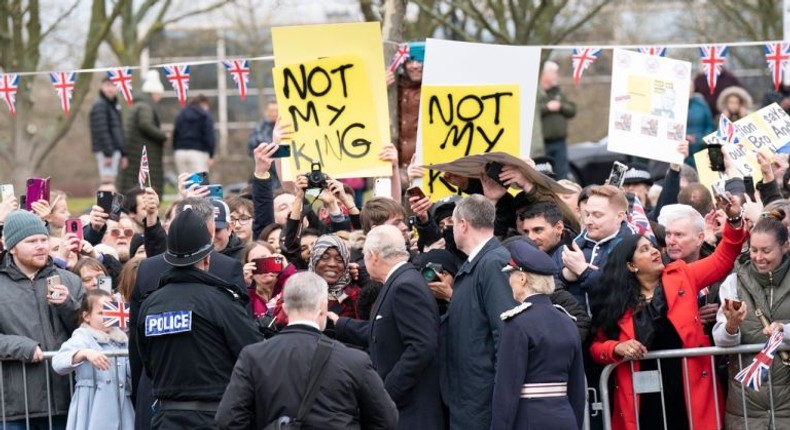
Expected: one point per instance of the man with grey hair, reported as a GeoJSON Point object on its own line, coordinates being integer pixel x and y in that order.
{"type": "Point", "coordinates": [350, 393]}
{"type": "Point", "coordinates": [402, 335]}
{"type": "Point", "coordinates": [555, 111]}
{"type": "Point", "coordinates": [481, 293]}
{"type": "Point", "coordinates": [148, 275]}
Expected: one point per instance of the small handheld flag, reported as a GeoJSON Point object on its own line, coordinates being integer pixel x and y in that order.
{"type": "Point", "coordinates": [240, 72]}
{"type": "Point", "coordinates": [777, 55]}
{"type": "Point", "coordinates": [178, 75]}
{"type": "Point", "coordinates": [144, 174]}
{"type": "Point", "coordinates": [582, 59]}
{"type": "Point", "coordinates": [752, 375]}
{"type": "Point", "coordinates": [712, 60]}
{"type": "Point", "coordinates": [115, 313]}
{"type": "Point", "coordinates": [64, 87]}
{"type": "Point", "coordinates": [9, 84]}
{"type": "Point", "coordinates": [122, 79]}
{"type": "Point", "coordinates": [728, 131]}
{"type": "Point", "coordinates": [638, 219]}
{"type": "Point", "coordinates": [400, 57]}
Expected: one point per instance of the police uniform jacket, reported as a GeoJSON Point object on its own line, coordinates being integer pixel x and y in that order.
{"type": "Point", "coordinates": [190, 333]}
{"type": "Point", "coordinates": [539, 345]}
{"type": "Point", "coordinates": [350, 393]}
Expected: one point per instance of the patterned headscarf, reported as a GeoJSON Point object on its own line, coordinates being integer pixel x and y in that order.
{"type": "Point", "coordinates": [321, 245]}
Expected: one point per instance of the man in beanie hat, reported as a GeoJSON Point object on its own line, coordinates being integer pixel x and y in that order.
{"type": "Point", "coordinates": [142, 128]}
{"type": "Point", "coordinates": [39, 304]}
{"type": "Point", "coordinates": [191, 331]}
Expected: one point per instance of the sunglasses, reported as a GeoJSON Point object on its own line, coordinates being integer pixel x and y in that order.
{"type": "Point", "coordinates": [116, 232]}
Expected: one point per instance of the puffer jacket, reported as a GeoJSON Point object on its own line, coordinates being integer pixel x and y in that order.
{"type": "Point", "coordinates": [27, 321]}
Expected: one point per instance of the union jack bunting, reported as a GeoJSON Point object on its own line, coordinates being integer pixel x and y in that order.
{"type": "Point", "coordinates": [777, 56]}
{"type": "Point", "coordinates": [582, 59]}
{"type": "Point", "coordinates": [9, 84]}
{"type": "Point", "coordinates": [240, 72]}
{"type": "Point", "coordinates": [64, 87]}
{"type": "Point", "coordinates": [144, 175]}
{"type": "Point", "coordinates": [115, 313]}
{"type": "Point", "coordinates": [178, 75]}
{"type": "Point", "coordinates": [752, 375]}
{"type": "Point", "coordinates": [728, 131]}
{"type": "Point", "coordinates": [122, 79]}
{"type": "Point", "coordinates": [638, 219]}
{"type": "Point", "coordinates": [659, 51]}
{"type": "Point", "coordinates": [712, 60]}
{"type": "Point", "coordinates": [400, 57]}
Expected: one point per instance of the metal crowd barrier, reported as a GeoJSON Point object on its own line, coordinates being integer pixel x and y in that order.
{"type": "Point", "coordinates": [684, 354]}
{"type": "Point", "coordinates": [47, 361]}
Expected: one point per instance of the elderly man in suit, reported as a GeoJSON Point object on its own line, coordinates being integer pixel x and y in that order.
{"type": "Point", "coordinates": [402, 333]}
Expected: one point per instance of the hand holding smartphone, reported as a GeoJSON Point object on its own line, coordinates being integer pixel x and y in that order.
{"type": "Point", "coordinates": [415, 191]}
{"type": "Point", "coordinates": [52, 281]}
{"type": "Point", "coordinates": [75, 226]}
{"type": "Point", "coordinates": [493, 170]}
{"type": "Point", "coordinates": [617, 175]}
{"type": "Point", "coordinates": [268, 265]}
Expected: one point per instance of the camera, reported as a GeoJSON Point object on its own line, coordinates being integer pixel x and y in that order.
{"type": "Point", "coordinates": [431, 271]}
{"type": "Point", "coordinates": [316, 178]}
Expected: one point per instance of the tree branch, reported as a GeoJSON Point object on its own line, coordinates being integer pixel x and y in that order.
{"type": "Point", "coordinates": [578, 24]}
{"type": "Point", "coordinates": [206, 9]}
{"type": "Point", "coordinates": [444, 20]}
{"type": "Point", "coordinates": [366, 7]}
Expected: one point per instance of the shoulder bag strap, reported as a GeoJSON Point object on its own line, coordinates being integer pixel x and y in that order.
{"type": "Point", "coordinates": [316, 370]}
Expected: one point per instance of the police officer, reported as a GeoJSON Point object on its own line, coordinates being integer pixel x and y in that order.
{"type": "Point", "coordinates": [540, 377]}
{"type": "Point", "coordinates": [191, 331]}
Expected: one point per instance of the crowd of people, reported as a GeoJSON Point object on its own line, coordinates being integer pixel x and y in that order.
{"type": "Point", "coordinates": [495, 310]}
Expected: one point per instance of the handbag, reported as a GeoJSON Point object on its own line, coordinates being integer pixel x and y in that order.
{"type": "Point", "coordinates": [316, 371]}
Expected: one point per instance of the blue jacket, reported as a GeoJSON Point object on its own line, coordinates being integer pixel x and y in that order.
{"type": "Point", "coordinates": [194, 129]}
{"type": "Point", "coordinates": [699, 124]}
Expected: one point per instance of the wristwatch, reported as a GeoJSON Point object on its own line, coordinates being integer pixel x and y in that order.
{"type": "Point", "coordinates": [264, 176]}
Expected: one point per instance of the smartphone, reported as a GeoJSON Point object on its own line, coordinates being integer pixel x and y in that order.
{"type": "Point", "coordinates": [104, 200]}
{"type": "Point", "coordinates": [104, 283]}
{"type": "Point", "coordinates": [617, 175]}
{"type": "Point", "coordinates": [493, 170]}
{"type": "Point", "coordinates": [37, 189]}
{"type": "Point", "coordinates": [411, 222]}
{"type": "Point", "coordinates": [732, 303]}
{"type": "Point", "coordinates": [382, 187]}
{"type": "Point", "coordinates": [748, 181]}
{"type": "Point", "coordinates": [75, 226]}
{"type": "Point", "coordinates": [215, 192]}
{"type": "Point", "coordinates": [268, 265]}
{"type": "Point", "coordinates": [198, 179]}
{"type": "Point", "coordinates": [117, 206]}
{"type": "Point", "coordinates": [23, 201]}
{"type": "Point", "coordinates": [415, 192]}
{"type": "Point", "coordinates": [6, 192]}
{"type": "Point", "coordinates": [51, 282]}
{"type": "Point", "coordinates": [284, 151]}
{"type": "Point", "coordinates": [716, 158]}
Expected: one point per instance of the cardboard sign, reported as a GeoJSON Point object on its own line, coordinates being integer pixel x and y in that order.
{"type": "Point", "coordinates": [331, 106]}
{"type": "Point", "coordinates": [463, 120]}
{"type": "Point", "coordinates": [648, 105]}
{"type": "Point", "coordinates": [301, 44]}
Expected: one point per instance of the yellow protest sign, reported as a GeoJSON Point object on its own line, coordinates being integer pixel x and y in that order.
{"type": "Point", "coordinates": [458, 121]}
{"type": "Point", "coordinates": [298, 44]}
{"type": "Point", "coordinates": [330, 104]}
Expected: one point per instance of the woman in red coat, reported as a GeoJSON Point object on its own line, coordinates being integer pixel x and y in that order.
{"type": "Point", "coordinates": [649, 306]}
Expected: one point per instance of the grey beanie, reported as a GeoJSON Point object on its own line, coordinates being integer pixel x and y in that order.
{"type": "Point", "coordinates": [19, 225]}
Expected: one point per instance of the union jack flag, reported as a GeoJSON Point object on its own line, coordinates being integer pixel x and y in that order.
{"type": "Point", "coordinates": [64, 86]}
{"type": "Point", "coordinates": [122, 79]}
{"type": "Point", "coordinates": [777, 56]}
{"type": "Point", "coordinates": [115, 313]}
{"type": "Point", "coordinates": [178, 75]}
{"type": "Point", "coordinates": [659, 51]}
{"type": "Point", "coordinates": [582, 59]}
{"type": "Point", "coordinates": [143, 175]}
{"type": "Point", "coordinates": [752, 375]}
{"type": "Point", "coordinates": [728, 131]}
{"type": "Point", "coordinates": [712, 60]}
{"type": "Point", "coordinates": [9, 84]}
{"type": "Point", "coordinates": [638, 219]}
{"type": "Point", "coordinates": [400, 57]}
{"type": "Point", "coordinates": [240, 72]}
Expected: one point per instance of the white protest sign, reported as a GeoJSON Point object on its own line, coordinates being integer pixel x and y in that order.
{"type": "Point", "coordinates": [648, 105]}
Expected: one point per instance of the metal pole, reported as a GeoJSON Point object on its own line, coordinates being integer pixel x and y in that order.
{"type": "Point", "coordinates": [222, 97]}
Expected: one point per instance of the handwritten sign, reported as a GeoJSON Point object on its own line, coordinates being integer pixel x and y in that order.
{"type": "Point", "coordinates": [649, 105]}
{"type": "Point", "coordinates": [331, 106]}
{"type": "Point", "coordinates": [458, 121]}
{"type": "Point", "coordinates": [305, 43]}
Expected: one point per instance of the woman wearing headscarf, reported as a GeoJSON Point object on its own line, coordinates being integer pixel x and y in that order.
{"type": "Point", "coordinates": [330, 260]}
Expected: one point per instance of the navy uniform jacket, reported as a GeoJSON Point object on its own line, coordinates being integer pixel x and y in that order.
{"type": "Point", "coordinates": [402, 337]}
{"type": "Point", "coordinates": [470, 334]}
{"type": "Point", "coordinates": [539, 345]}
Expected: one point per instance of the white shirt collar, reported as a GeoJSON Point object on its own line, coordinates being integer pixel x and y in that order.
{"type": "Point", "coordinates": [477, 249]}
{"type": "Point", "coordinates": [394, 268]}
{"type": "Point", "coordinates": [305, 322]}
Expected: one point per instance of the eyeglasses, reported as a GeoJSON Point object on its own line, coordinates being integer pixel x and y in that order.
{"type": "Point", "coordinates": [116, 232]}
{"type": "Point", "coordinates": [241, 220]}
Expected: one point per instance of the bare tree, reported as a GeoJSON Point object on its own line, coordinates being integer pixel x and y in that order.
{"type": "Point", "coordinates": [21, 37]}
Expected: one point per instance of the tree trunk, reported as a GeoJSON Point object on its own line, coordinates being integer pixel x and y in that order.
{"type": "Point", "coordinates": [392, 31]}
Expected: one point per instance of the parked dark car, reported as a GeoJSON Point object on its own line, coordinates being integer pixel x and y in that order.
{"type": "Point", "coordinates": [591, 162]}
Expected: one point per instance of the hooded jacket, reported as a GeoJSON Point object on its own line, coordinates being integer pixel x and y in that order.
{"type": "Point", "coordinates": [106, 128]}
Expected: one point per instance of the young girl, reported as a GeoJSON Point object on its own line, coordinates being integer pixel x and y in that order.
{"type": "Point", "coordinates": [101, 389]}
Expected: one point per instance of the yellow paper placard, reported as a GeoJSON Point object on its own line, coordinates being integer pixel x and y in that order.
{"type": "Point", "coordinates": [331, 106]}
{"type": "Point", "coordinates": [305, 43]}
{"type": "Point", "coordinates": [465, 120]}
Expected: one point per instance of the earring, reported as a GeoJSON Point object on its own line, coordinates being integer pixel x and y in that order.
{"type": "Point", "coordinates": [636, 270]}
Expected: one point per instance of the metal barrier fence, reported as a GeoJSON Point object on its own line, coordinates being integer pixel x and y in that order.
{"type": "Point", "coordinates": [644, 384]}
{"type": "Point", "coordinates": [49, 374]}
